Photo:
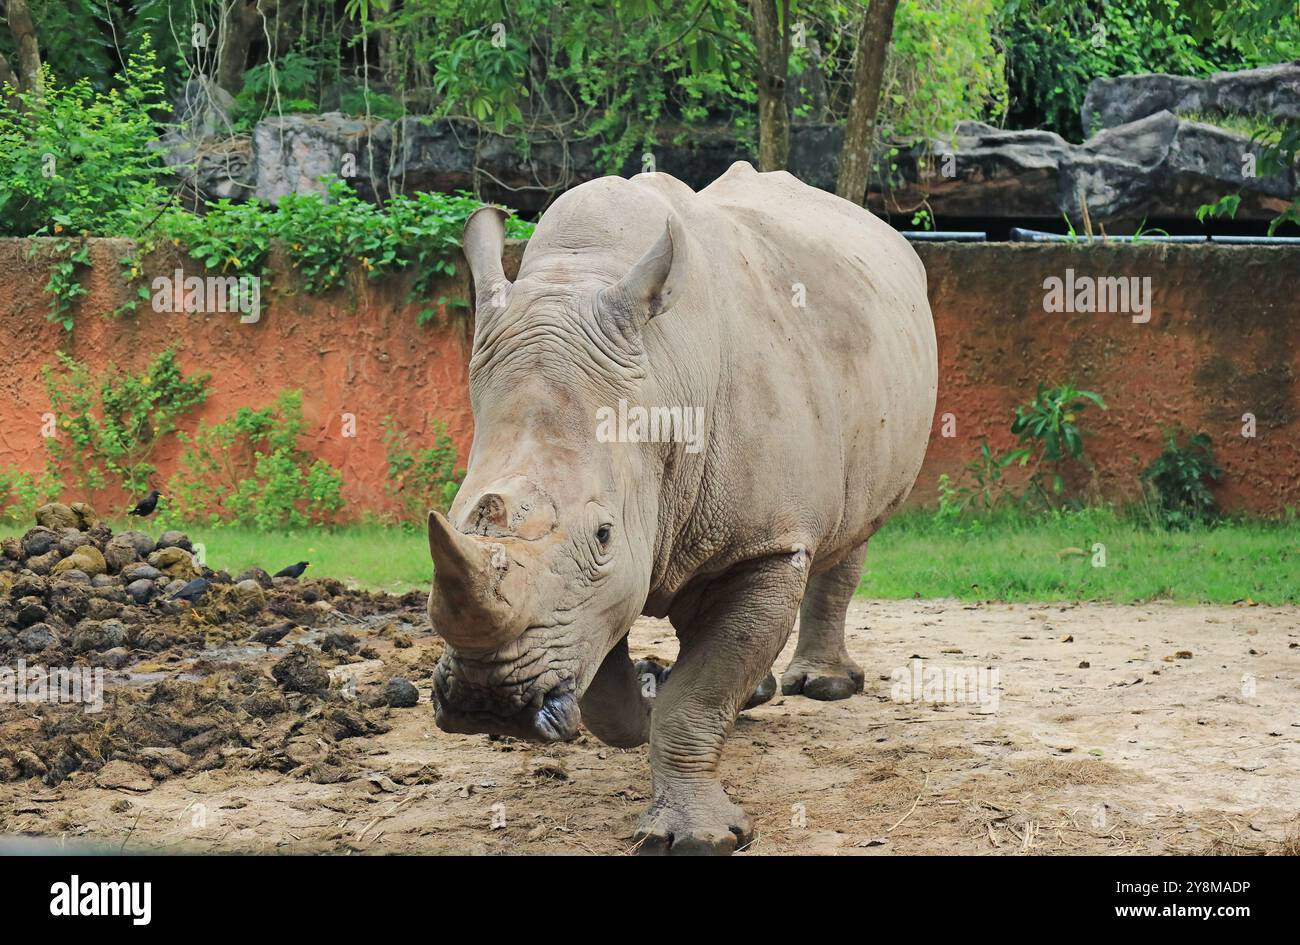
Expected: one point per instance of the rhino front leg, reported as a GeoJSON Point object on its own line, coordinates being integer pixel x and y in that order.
{"type": "Point", "coordinates": [614, 707]}
{"type": "Point", "coordinates": [730, 633]}
{"type": "Point", "coordinates": [821, 668]}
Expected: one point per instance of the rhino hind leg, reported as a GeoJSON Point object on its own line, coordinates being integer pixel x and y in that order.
{"type": "Point", "coordinates": [821, 668]}
{"type": "Point", "coordinates": [730, 634]}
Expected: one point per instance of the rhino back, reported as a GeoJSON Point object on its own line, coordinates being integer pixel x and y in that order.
{"type": "Point", "coordinates": [828, 369]}
{"type": "Point", "coordinates": [817, 415]}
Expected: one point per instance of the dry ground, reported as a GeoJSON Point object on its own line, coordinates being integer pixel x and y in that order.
{"type": "Point", "coordinates": [1119, 729]}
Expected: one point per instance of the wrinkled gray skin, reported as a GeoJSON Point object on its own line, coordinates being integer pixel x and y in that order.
{"type": "Point", "coordinates": [816, 419]}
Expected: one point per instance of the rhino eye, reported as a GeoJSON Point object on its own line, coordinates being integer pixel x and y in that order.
{"type": "Point", "coordinates": [602, 535]}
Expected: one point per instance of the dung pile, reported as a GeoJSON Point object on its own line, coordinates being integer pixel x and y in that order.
{"type": "Point", "coordinates": [191, 686]}
{"type": "Point", "coordinates": [71, 590]}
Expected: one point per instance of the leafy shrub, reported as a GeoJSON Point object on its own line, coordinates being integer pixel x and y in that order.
{"type": "Point", "coordinates": [80, 161]}
{"type": "Point", "coordinates": [1047, 428]}
{"type": "Point", "coordinates": [421, 478]}
{"type": "Point", "coordinates": [1177, 481]}
{"type": "Point", "coordinates": [249, 470]}
{"type": "Point", "coordinates": [325, 237]}
{"type": "Point", "coordinates": [108, 425]}
{"type": "Point", "coordinates": [1048, 437]}
{"type": "Point", "coordinates": [1055, 48]}
{"type": "Point", "coordinates": [22, 493]}
{"type": "Point", "coordinates": [279, 86]}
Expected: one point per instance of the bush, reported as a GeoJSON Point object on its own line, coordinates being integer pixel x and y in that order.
{"type": "Point", "coordinates": [1056, 48]}
{"type": "Point", "coordinates": [80, 161]}
{"type": "Point", "coordinates": [109, 425]}
{"type": "Point", "coordinates": [1177, 482]}
{"type": "Point", "coordinates": [324, 237]}
{"type": "Point", "coordinates": [22, 493]}
{"type": "Point", "coordinates": [249, 470]}
{"type": "Point", "coordinates": [421, 479]}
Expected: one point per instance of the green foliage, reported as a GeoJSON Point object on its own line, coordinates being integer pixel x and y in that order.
{"type": "Point", "coordinates": [944, 66]}
{"type": "Point", "coordinates": [324, 238]}
{"type": "Point", "coordinates": [1178, 481]}
{"type": "Point", "coordinates": [421, 478]}
{"type": "Point", "coordinates": [982, 488]}
{"type": "Point", "coordinates": [1049, 438]}
{"type": "Point", "coordinates": [1225, 206]}
{"type": "Point", "coordinates": [70, 259]}
{"type": "Point", "coordinates": [1047, 427]}
{"type": "Point", "coordinates": [1055, 48]}
{"type": "Point", "coordinates": [78, 160]}
{"type": "Point", "coordinates": [277, 86]}
{"type": "Point", "coordinates": [1048, 423]}
{"type": "Point", "coordinates": [22, 493]}
{"type": "Point", "coordinates": [108, 425]}
{"type": "Point", "coordinates": [249, 470]}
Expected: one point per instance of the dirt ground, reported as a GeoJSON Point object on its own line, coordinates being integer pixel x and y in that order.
{"type": "Point", "coordinates": [1117, 729]}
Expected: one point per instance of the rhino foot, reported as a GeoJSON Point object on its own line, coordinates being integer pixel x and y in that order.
{"type": "Point", "coordinates": [654, 669]}
{"type": "Point", "coordinates": [762, 693]}
{"type": "Point", "coordinates": [825, 682]}
{"type": "Point", "coordinates": [701, 822]}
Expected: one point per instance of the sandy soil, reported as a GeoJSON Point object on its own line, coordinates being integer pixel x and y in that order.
{"type": "Point", "coordinates": [1142, 729]}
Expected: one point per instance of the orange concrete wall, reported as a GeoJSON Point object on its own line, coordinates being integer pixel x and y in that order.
{"type": "Point", "coordinates": [1223, 340]}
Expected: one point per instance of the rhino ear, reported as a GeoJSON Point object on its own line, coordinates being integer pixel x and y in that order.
{"type": "Point", "coordinates": [652, 286]}
{"type": "Point", "coordinates": [484, 242]}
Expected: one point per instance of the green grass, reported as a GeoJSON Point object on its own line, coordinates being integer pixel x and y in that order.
{"type": "Point", "coordinates": [1009, 558]}
{"type": "Point", "coordinates": [372, 556]}
{"type": "Point", "coordinates": [1018, 559]}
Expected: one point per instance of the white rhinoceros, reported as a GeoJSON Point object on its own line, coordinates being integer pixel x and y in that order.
{"type": "Point", "coordinates": [697, 406]}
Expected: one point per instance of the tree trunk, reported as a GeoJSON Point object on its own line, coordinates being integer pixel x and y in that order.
{"type": "Point", "coordinates": [237, 31]}
{"type": "Point", "coordinates": [28, 50]}
{"type": "Point", "coordinates": [868, 74]}
{"type": "Point", "coordinates": [7, 74]}
{"type": "Point", "coordinates": [772, 43]}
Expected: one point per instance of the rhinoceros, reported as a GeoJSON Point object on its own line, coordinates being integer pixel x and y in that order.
{"type": "Point", "coordinates": [793, 328]}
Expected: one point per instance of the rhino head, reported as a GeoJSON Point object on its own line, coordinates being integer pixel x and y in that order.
{"type": "Point", "coordinates": [544, 560]}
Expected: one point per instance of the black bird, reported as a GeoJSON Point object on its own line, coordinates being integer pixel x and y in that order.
{"type": "Point", "coordinates": [144, 508]}
{"type": "Point", "coordinates": [293, 570]}
{"type": "Point", "coordinates": [192, 591]}
{"type": "Point", "coordinates": [272, 635]}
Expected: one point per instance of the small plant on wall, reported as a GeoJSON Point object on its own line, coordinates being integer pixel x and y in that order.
{"type": "Point", "coordinates": [1048, 430]}
{"type": "Point", "coordinates": [108, 425]}
{"type": "Point", "coordinates": [1049, 438]}
{"type": "Point", "coordinates": [1177, 482]}
{"type": "Point", "coordinates": [421, 478]}
{"type": "Point", "coordinates": [249, 470]}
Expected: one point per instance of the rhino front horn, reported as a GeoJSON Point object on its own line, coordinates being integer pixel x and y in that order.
{"type": "Point", "coordinates": [479, 596]}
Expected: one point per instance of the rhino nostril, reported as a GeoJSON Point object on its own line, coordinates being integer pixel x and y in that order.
{"type": "Point", "coordinates": [490, 510]}
{"type": "Point", "coordinates": [514, 507]}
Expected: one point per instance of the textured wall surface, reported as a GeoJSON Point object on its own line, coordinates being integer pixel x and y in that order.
{"type": "Point", "coordinates": [1223, 340]}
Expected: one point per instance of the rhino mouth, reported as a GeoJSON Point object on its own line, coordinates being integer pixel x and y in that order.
{"type": "Point", "coordinates": [543, 710]}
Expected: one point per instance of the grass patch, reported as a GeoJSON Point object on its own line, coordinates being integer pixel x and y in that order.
{"type": "Point", "coordinates": [1006, 558]}
{"type": "Point", "coordinates": [1050, 558]}
{"type": "Point", "coordinates": [376, 557]}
